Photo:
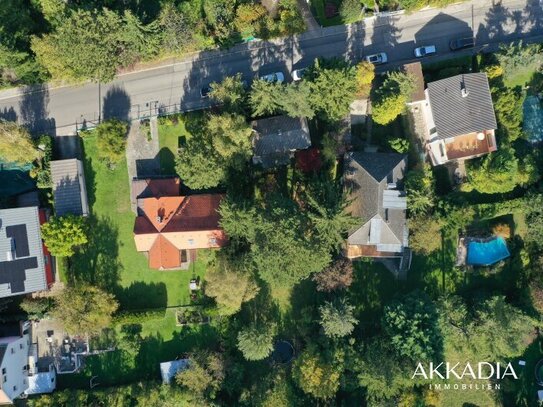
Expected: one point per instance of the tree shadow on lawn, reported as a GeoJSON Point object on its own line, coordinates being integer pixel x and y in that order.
{"type": "Point", "coordinates": [140, 296]}
{"type": "Point", "coordinates": [90, 175]}
{"type": "Point", "coordinates": [97, 262]}
{"type": "Point", "coordinates": [167, 161]}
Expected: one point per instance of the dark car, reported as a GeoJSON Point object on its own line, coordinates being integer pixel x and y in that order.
{"type": "Point", "coordinates": [205, 91]}
{"type": "Point", "coordinates": [461, 43]}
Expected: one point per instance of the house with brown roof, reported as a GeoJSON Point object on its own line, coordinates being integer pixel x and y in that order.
{"type": "Point", "coordinates": [459, 118]}
{"type": "Point", "coordinates": [170, 228]}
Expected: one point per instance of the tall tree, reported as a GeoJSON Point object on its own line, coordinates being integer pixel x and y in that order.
{"type": "Point", "coordinates": [16, 144]}
{"type": "Point", "coordinates": [337, 319]}
{"type": "Point", "coordinates": [295, 100]}
{"type": "Point", "coordinates": [389, 99]}
{"type": "Point", "coordinates": [230, 136]}
{"type": "Point", "coordinates": [256, 342]}
{"type": "Point", "coordinates": [230, 283]}
{"type": "Point", "coordinates": [365, 74]}
{"type": "Point", "coordinates": [411, 323]}
{"type": "Point", "coordinates": [204, 375]}
{"type": "Point", "coordinates": [111, 141]}
{"type": "Point", "coordinates": [337, 276]}
{"type": "Point", "coordinates": [265, 97]}
{"type": "Point", "coordinates": [62, 235]}
{"type": "Point", "coordinates": [91, 45]}
{"type": "Point", "coordinates": [85, 309]}
{"type": "Point", "coordinates": [199, 166]}
{"type": "Point", "coordinates": [333, 88]}
{"type": "Point", "coordinates": [230, 93]}
{"type": "Point", "coordinates": [316, 376]}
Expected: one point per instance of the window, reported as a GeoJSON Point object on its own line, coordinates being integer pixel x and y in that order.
{"type": "Point", "coordinates": [20, 346]}
{"type": "Point", "coordinates": [12, 351]}
{"type": "Point", "coordinates": [46, 260]}
{"type": "Point", "coordinates": [5, 378]}
{"type": "Point", "coordinates": [3, 370]}
{"type": "Point", "coordinates": [14, 388]}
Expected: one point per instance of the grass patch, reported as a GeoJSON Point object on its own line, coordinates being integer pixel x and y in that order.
{"type": "Point", "coordinates": [522, 77]}
{"type": "Point", "coordinates": [172, 133]}
{"type": "Point", "coordinates": [110, 260]}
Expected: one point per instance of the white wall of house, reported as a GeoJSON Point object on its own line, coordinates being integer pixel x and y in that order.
{"type": "Point", "coordinates": [14, 373]}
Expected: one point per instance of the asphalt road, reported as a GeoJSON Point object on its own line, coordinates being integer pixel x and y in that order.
{"type": "Point", "coordinates": [177, 86]}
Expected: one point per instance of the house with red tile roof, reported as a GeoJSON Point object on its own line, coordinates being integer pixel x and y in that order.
{"type": "Point", "coordinates": [170, 228]}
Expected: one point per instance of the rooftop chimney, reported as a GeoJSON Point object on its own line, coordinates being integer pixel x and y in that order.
{"type": "Point", "coordinates": [463, 89]}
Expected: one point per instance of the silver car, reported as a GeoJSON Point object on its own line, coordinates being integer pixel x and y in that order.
{"type": "Point", "coordinates": [377, 59]}
{"type": "Point", "coordinates": [424, 51]}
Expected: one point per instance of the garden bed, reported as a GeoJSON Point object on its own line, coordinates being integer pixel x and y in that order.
{"type": "Point", "coordinates": [191, 316]}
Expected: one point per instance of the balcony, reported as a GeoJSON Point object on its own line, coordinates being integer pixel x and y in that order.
{"type": "Point", "coordinates": [462, 147]}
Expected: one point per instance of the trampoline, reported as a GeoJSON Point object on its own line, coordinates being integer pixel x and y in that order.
{"type": "Point", "coordinates": [283, 352]}
{"type": "Point", "coordinates": [487, 252]}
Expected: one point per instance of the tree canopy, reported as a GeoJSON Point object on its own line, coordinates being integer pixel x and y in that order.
{"type": "Point", "coordinates": [16, 144]}
{"type": "Point", "coordinates": [63, 235]}
{"type": "Point", "coordinates": [256, 342]}
{"type": "Point", "coordinates": [111, 141]}
{"type": "Point", "coordinates": [337, 319]}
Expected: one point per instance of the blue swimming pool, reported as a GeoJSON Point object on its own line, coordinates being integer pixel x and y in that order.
{"type": "Point", "coordinates": [487, 253]}
{"type": "Point", "coordinates": [533, 119]}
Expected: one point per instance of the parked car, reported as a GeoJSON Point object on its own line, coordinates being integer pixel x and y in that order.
{"type": "Point", "coordinates": [377, 59]}
{"type": "Point", "coordinates": [426, 50]}
{"type": "Point", "coordinates": [274, 77]}
{"type": "Point", "coordinates": [461, 43]}
{"type": "Point", "coordinates": [205, 91]}
{"type": "Point", "coordinates": [298, 74]}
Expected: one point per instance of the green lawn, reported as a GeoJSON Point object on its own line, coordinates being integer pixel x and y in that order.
{"type": "Point", "coordinates": [172, 132]}
{"type": "Point", "coordinates": [110, 260]}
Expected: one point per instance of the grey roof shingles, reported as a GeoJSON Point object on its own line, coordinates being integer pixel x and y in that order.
{"type": "Point", "coordinates": [455, 114]}
{"type": "Point", "coordinates": [69, 188]}
{"type": "Point", "coordinates": [276, 137]}
{"type": "Point", "coordinates": [34, 278]}
{"type": "Point", "coordinates": [367, 176]}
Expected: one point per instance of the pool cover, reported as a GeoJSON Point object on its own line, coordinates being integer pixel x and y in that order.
{"type": "Point", "coordinates": [487, 253]}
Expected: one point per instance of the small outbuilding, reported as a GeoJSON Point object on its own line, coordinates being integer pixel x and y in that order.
{"type": "Point", "coordinates": [69, 188]}
{"type": "Point", "coordinates": [168, 370]}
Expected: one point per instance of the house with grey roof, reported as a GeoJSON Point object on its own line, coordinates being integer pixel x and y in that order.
{"type": "Point", "coordinates": [22, 254]}
{"type": "Point", "coordinates": [275, 139]}
{"type": "Point", "coordinates": [69, 188]}
{"type": "Point", "coordinates": [374, 182]}
{"type": "Point", "coordinates": [460, 118]}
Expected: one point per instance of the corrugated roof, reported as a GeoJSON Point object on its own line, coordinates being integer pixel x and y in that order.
{"type": "Point", "coordinates": [69, 189]}
{"type": "Point", "coordinates": [462, 104]}
{"type": "Point", "coordinates": [25, 273]}
{"type": "Point", "coordinates": [277, 137]}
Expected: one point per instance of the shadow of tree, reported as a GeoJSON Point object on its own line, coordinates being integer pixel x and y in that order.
{"type": "Point", "coordinates": [97, 263]}
{"type": "Point", "coordinates": [8, 114]}
{"type": "Point", "coordinates": [140, 295]}
{"type": "Point", "coordinates": [33, 112]}
{"type": "Point", "coordinates": [116, 104]}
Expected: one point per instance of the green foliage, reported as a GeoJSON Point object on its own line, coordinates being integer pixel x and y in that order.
{"type": "Point", "coordinates": [130, 339]}
{"type": "Point", "coordinates": [295, 100]}
{"type": "Point", "coordinates": [265, 97]}
{"type": "Point", "coordinates": [350, 11]}
{"type": "Point", "coordinates": [337, 319]}
{"type": "Point", "coordinates": [36, 308]}
{"type": "Point", "coordinates": [420, 189]}
{"type": "Point", "coordinates": [519, 57]}
{"type": "Point", "coordinates": [500, 172]}
{"type": "Point", "coordinates": [333, 88]}
{"type": "Point", "coordinates": [249, 17]}
{"type": "Point", "coordinates": [16, 144]}
{"type": "Point", "coordinates": [131, 317]}
{"type": "Point", "coordinates": [290, 19]}
{"type": "Point", "coordinates": [204, 376]}
{"type": "Point", "coordinates": [336, 276]}
{"type": "Point", "coordinates": [316, 376]}
{"type": "Point", "coordinates": [93, 45]}
{"type": "Point", "coordinates": [365, 74]}
{"type": "Point", "coordinates": [222, 143]}
{"type": "Point", "coordinates": [534, 218]}
{"type": "Point", "coordinates": [62, 235]}
{"type": "Point", "coordinates": [425, 234]}
{"type": "Point", "coordinates": [84, 309]}
{"type": "Point", "coordinates": [400, 145]}
{"type": "Point", "coordinates": [219, 16]}
{"type": "Point", "coordinates": [42, 171]}
{"type": "Point", "coordinates": [111, 141]}
{"type": "Point", "coordinates": [412, 326]}
{"type": "Point", "coordinates": [230, 93]}
{"type": "Point", "coordinates": [256, 342]}
{"type": "Point", "coordinates": [509, 112]}
{"type": "Point", "coordinates": [177, 30]}
{"type": "Point", "coordinates": [390, 98]}
{"type": "Point", "coordinates": [230, 283]}
{"type": "Point", "coordinates": [137, 394]}
{"type": "Point", "coordinates": [381, 372]}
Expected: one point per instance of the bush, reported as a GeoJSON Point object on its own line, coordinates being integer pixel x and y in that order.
{"type": "Point", "coordinates": [111, 141]}
{"type": "Point", "coordinates": [138, 317]}
{"type": "Point", "coordinates": [350, 11]}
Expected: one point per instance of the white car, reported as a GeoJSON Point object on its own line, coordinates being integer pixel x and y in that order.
{"type": "Point", "coordinates": [274, 77]}
{"type": "Point", "coordinates": [298, 74]}
{"type": "Point", "coordinates": [426, 50]}
{"type": "Point", "coordinates": [377, 59]}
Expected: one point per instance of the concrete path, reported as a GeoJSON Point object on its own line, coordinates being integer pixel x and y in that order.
{"type": "Point", "coordinates": [307, 15]}
{"type": "Point", "coordinates": [141, 154]}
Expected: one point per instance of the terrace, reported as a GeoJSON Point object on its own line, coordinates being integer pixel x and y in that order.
{"type": "Point", "coordinates": [462, 147]}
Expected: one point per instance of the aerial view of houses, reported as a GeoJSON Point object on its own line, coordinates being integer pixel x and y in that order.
{"type": "Point", "coordinates": [271, 203]}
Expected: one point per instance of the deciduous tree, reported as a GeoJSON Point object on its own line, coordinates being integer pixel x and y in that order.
{"type": "Point", "coordinates": [337, 276]}
{"type": "Point", "coordinates": [63, 235]}
{"type": "Point", "coordinates": [365, 74]}
{"type": "Point", "coordinates": [199, 166]}
{"type": "Point", "coordinates": [85, 309]}
{"type": "Point", "coordinates": [16, 144]}
{"type": "Point", "coordinates": [315, 376]}
{"type": "Point", "coordinates": [204, 375]}
{"type": "Point", "coordinates": [111, 141]}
